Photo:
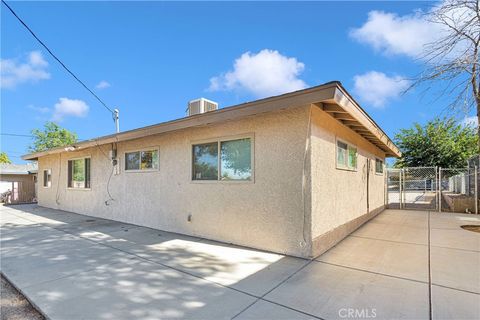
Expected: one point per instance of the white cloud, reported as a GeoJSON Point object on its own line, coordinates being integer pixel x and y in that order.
{"type": "Point", "coordinates": [69, 107]}
{"type": "Point", "coordinates": [265, 73]}
{"type": "Point", "coordinates": [38, 109]}
{"type": "Point", "coordinates": [36, 59]}
{"type": "Point", "coordinates": [376, 88]}
{"type": "Point", "coordinates": [470, 121]}
{"type": "Point", "coordinates": [103, 85]}
{"type": "Point", "coordinates": [14, 73]}
{"type": "Point", "coordinates": [393, 34]}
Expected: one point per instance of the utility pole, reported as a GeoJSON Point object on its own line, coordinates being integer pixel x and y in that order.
{"type": "Point", "coordinates": [116, 118]}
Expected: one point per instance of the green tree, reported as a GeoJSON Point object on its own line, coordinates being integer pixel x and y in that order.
{"type": "Point", "coordinates": [440, 142]}
{"type": "Point", "coordinates": [4, 158]}
{"type": "Point", "coordinates": [51, 136]}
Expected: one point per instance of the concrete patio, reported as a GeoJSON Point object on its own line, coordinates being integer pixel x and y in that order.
{"type": "Point", "coordinates": [402, 264]}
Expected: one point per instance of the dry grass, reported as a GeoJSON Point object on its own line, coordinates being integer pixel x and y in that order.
{"type": "Point", "coordinates": [14, 306]}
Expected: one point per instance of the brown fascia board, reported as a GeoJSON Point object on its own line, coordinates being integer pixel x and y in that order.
{"type": "Point", "coordinates": [327, 92]}
{"type": "Point", "coordinates": [346, 101]}
{"type": "Point", "coordinates": [284, 101]}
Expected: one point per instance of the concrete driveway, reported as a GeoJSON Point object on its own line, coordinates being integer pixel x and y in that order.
{"type": "Point", "coordinates": [402, 264]}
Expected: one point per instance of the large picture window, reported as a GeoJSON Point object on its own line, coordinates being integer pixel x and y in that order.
{"type": "Point", "coordinates": [224, 160]}
{"type": "Point", "coordinates": [141, 160]}
{"type": "Point", "coordinates": [346, 156]}
{"type": "Point", "coordinates": [79, 173]}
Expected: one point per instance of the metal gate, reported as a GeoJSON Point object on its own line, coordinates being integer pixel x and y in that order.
{"type": "Point", "coordinates": [433, 188]}
{"type": "Point", "coordinates": [412, 188]}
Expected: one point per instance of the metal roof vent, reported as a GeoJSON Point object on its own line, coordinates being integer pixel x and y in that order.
{"type": "Point", "coordinates": [201, 105]}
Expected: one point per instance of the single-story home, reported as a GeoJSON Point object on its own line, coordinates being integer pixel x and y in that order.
{"type": "Point", "coordinates": [20, 181]}
{"type": "Point", "coordinates": [292, 174]}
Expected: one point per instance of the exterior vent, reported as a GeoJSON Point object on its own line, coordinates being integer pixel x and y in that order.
{"type": "Point", "coordinates": [201, 105]}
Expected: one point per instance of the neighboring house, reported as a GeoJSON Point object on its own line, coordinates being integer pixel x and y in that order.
{"type": "Point", "coordinates": [20, 180]}
{"type": "Point", "coordinates": [292, 174]}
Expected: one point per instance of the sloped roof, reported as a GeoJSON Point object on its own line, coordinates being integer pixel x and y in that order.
{"type": "Point", "coordinates": [331, 97]}
{"type": "Point", "coordinates": [10, 168]}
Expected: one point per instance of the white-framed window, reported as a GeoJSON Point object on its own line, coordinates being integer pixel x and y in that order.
{"type": "Point", "coordinates": [346, 155]}
{"type": "Point", "coordinates": [229, 159]}
{"type": "Point", "coordinates": [378, 166]}
{"type": "Point", "coordinates": [142, 160]}
{"type": "Point", "coordinates": [47, 178]}
{"type": "Point", "coordinates": [79, 173]}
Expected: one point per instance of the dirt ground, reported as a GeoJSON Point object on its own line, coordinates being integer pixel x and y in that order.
{"type": "Point", "coordinates": [13, 306]}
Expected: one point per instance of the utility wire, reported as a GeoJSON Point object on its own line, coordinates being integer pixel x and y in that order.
{"type": "Point", "coordinates": [25, 136]}
{"type": "Point", "coordinates": [16, 135]}
{"type": "Point", "coordinates": [55, 57]}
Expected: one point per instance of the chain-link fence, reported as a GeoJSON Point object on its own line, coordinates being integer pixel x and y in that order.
{"type": "Point", "coordinates": [393, 188]}
{"type": "Point", "coordinates": [458, 190]}
{"type": "Point", "coordinates": [432, 188]}
{"type": "Point", "coordinates": [412, 188]}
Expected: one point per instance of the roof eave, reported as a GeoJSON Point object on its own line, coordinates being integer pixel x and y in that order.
{"type": "Point", "coordinates": [365, 126]}
{"type": "Point", "coordinates": [332, 91]}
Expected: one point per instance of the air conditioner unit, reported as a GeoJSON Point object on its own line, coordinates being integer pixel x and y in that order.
{"type": "Point", "coordinates": [201, 105]}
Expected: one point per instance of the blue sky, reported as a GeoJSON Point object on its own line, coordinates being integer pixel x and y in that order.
{"type": "Point", "coordinates": [152, 57]}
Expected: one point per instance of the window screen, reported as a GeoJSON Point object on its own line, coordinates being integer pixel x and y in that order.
{"type": "Point", "coordinates": [205, 161]}
{"type": "Point", "coordinates": [79, 173]}
{"type": "Point", "coordinates": [378, 166]}
{"type": "Point", "coordinates": [47, 178]}
{"type": "Point", "coordinates": [346, 156]}
{"type": "Point", "coordinates": [341, 154]}
{"type": "Point", "coordinates": [236, 159]}
{"type": "Point", "coordinates": [141, 160]}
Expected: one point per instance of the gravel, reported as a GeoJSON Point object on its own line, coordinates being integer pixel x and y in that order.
{"type": "Point", "coordinates": [14, 306]}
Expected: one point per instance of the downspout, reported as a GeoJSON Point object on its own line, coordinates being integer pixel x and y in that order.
{"type": "Point", "coordinates": [368, 185]}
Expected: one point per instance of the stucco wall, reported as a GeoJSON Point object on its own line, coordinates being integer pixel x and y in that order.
{"type": "Point", "coordinates": [267, 214]}
{"type": "Point", "coordinates": [297, 198]}
{"type": "Point", "coordinates": [340, 196]}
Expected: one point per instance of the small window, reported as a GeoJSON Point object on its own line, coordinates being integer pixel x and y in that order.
{"type": "Point", "coordinates": [79, 173]}
{"type": "Point", "coordinates": [346, 156]}
{"type": "Point", "coordinates": [141, 160]}
{"type": "Point", "coordinates": [227, 160]}
{"type": "Point", "coordinates": [352, 157]}
{"type": "Point", "coordinates": [378, 166]}
{"type": "Point", "coordinates": [341, 154]}
{"type": "Point", "coordinates": [47, 178]}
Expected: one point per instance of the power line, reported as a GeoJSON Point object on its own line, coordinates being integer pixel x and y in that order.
{"type": "Point", "coordinates": [25, 135]}
{"type": "Point", "coordinates": [55, 57]}
{"type": "Point", "coordinates": [16, 135]}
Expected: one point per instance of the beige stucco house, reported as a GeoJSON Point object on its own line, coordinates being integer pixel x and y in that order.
{"type": "Point", "coordinates": [292, 174]}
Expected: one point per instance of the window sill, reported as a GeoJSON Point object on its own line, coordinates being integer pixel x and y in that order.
{"type": "Point", "coordinates": [222, 181]}
{"type": "Point", "coordinates": [347, 169]}
{"type": "Point", "coordinates": [79, 189]}
{"type": "Point", "coordinates": [137, 171]}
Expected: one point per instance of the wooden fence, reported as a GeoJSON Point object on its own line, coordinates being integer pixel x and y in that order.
{"type": "Point", "coordinates": [21, 192]}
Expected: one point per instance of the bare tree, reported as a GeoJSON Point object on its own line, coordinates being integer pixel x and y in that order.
{"type": "Point", "coordinates": [452, 60]}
